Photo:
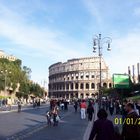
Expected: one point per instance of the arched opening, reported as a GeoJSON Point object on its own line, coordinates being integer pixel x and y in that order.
{"type": "Point", "coordinates": [105, 85]}
{"type": "Point", "coordinates": [76, 86]}
{"type": "Point", "coordinates": [67, 86]}
{"type": "Point", "coordinates": [82, 95]}
{"type": "Point", "coordinates": [87, 85]}
{"type": "Point", "coordinates": [72, 86]}
{"type": "Point", "coordinates": [81, 86]}
{"type": "Point", "coordinates": [87, 95]}
{"type": "Point", "coordinates": [71, 95]}
{"type": "Point", "coordinates": [76, 95]}
{"type": "Point", "coordinates": [110, 85]}
{"type": "Point", "coordinates": [67, 96]}
{"type": "Point", "coordinates": [92, 95]}
{"type": "Point", "coordinates": [93, 86]}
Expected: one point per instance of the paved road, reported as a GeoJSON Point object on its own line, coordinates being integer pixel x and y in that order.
{"type": "Point", "coordinates": [30, 124]}
{"type": "Point", "coordinates": [18, 125]}
{"type": "Point", "coordinates": [13, 122]}
{"type": "Point", "coordinates": [70, 128]}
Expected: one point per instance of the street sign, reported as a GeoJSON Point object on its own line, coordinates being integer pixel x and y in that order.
{"type": "Point", "coordinates": [121, 81]}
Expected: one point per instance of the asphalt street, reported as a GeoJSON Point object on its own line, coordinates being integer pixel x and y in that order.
{"type": "Point", "coordinates": [69, 128]}
{"type": "Point", "coordinates": [13, 122]}
{"type": "Point", "coordinates": [31, 124]}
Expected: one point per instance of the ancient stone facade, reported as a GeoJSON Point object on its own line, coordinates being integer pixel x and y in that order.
{"type": "Point", "coordinates": [6, 56]}
{"type": "Point", "coordinates": [77, 78]}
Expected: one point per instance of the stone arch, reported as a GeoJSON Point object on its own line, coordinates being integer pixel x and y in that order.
{"type": "Point", "coordinates": [105, 85]}
{"type": "Point", "coordinates": [81, 86]}
{"type": "Point", "coordinates": [87, 85]}
{"type": "Point", "coordinates": [76, 86]}
{"type": "Point", "coordinates": [92, 85]}
{"type": "Point", "coordinates": [110, 85]}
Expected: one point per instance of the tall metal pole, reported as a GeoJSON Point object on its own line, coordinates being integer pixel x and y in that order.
{"type": "Point", "coordinates": [100, 67]}
{"type": "Point", "coordinates": [5, 84]}
{"type": "Point", "coordinates": [98, 41]}
{"type": "Point", "coordinates": [133, 67]}
{"type": "Point", "coordinates": [138, 69]}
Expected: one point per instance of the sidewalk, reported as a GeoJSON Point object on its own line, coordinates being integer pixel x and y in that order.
{"type": "Point", "coordinates": [15, 108]}
{"type": "Point", "coordinates": [90, 124]}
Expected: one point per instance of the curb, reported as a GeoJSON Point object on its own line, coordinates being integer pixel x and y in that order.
{"type": "Point", "coordinates": [90, 124]}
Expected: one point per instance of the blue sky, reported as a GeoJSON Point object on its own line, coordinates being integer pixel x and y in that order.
{"type": "Point", "coordinates": [42, 32]}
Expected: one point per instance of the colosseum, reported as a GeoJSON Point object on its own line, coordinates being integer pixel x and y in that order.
{"type": "Point", "coordinates": [77, 78]}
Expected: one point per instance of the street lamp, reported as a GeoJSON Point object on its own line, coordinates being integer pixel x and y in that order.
{"type": "Point", "coordinates": [98, 41]}
{"type": "Point", "coordinates": [5, 79]}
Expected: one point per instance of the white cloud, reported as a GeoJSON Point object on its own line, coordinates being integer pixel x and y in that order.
{"type": "Point", "coordinates": [125, 52]}
{"type": "Point", "coordinates": [93, 10]}
{"type": "Point", "coordinates": [47, 41]}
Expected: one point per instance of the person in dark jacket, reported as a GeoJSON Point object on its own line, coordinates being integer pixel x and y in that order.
{"type": "Point", "coordinates": [131, 128]}
{"type": "Point", "coordinates": [111, 107]}
{"type": "Point", "coordinates": [90, 111]}
{"type": "Point", "coordinates": [76, 106]}
{"type": "Point", "coordinates": [103, 128]}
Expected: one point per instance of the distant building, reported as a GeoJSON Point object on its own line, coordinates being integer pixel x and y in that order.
{"type": "Point", "coordinates": [78, 78]}
{"type": "Point", "coordinates": [6, 56]}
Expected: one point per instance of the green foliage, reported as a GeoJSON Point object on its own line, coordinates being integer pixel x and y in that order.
{"type": "Point", "coordinates": [14, 74]}
{"type": "Point", "coordinates": [106, 91]}
{"type": "Point", "coordinates": [36, 90]}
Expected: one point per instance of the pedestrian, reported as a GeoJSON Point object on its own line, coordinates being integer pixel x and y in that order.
{"type": "Point", "coordinates": [111, 107]}
{"type": "Point", "coordinates": [19, 106]}
{"type": "Point", "coordinates": [123, 110]}
{"type": "Point", "coordinates": [90, 111]}
{"type": "Point", "coordinates": [103, 128]}
{"type": "Point", "coordinates": [66, 105]}
{"type": "Point", "coordinates": [62, 105]}
{"type": "Point", "coordinates": [131, 131]}
{"type": "Point", "coordinates": [55, 115]}
{"type": "Point", "coordinates": [75, 106]}
{"type": "Point", "coordinates": [106, 105]}
{"type": "Point", "coordinates": [49, 118]}
{"type": "Point", "coordinates": [138, 106]}
{"type": "Point", "coordinates": [83, 109]}
{"type": "Point", "coordinates": [9, 103]}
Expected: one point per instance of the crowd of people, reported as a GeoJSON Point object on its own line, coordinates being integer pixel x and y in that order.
{"type": "Point", "coordinates": [103, 128]}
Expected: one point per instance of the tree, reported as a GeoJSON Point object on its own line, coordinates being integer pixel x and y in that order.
{"type": "Point", "coordinates": [14, 74]}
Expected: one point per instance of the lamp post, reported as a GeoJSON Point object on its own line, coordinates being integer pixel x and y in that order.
{"type": "Point", "coordinates": [98, 41]}
{"type": "Point", "coordinates": [5, 79]}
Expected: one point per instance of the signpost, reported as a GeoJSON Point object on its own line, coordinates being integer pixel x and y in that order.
{"type": "Point", "coordinates": [121, 81]}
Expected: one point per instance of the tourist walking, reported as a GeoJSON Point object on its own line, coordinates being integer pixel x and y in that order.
{"type": "Point", "coordinates": [55, 115]}
{"type": "Point", "coordinates": [90, 111]}
{"type": "Point", "coordinates": [75, 106]}
{"type": "Point", "coordinates": [9, 103]}
{"type": "Point", "coordinates": [111, 107]}
{"type": "Point", "coordinates": [83, 107]}
{"type": "Point", "coordinates": [19, 106]}
{"type": "Point", "coordinates": [66, 105]}
{"type": "Point", "coordinates": [103, 128]}
{"type": "Point", "coordinates": [131, 131]}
